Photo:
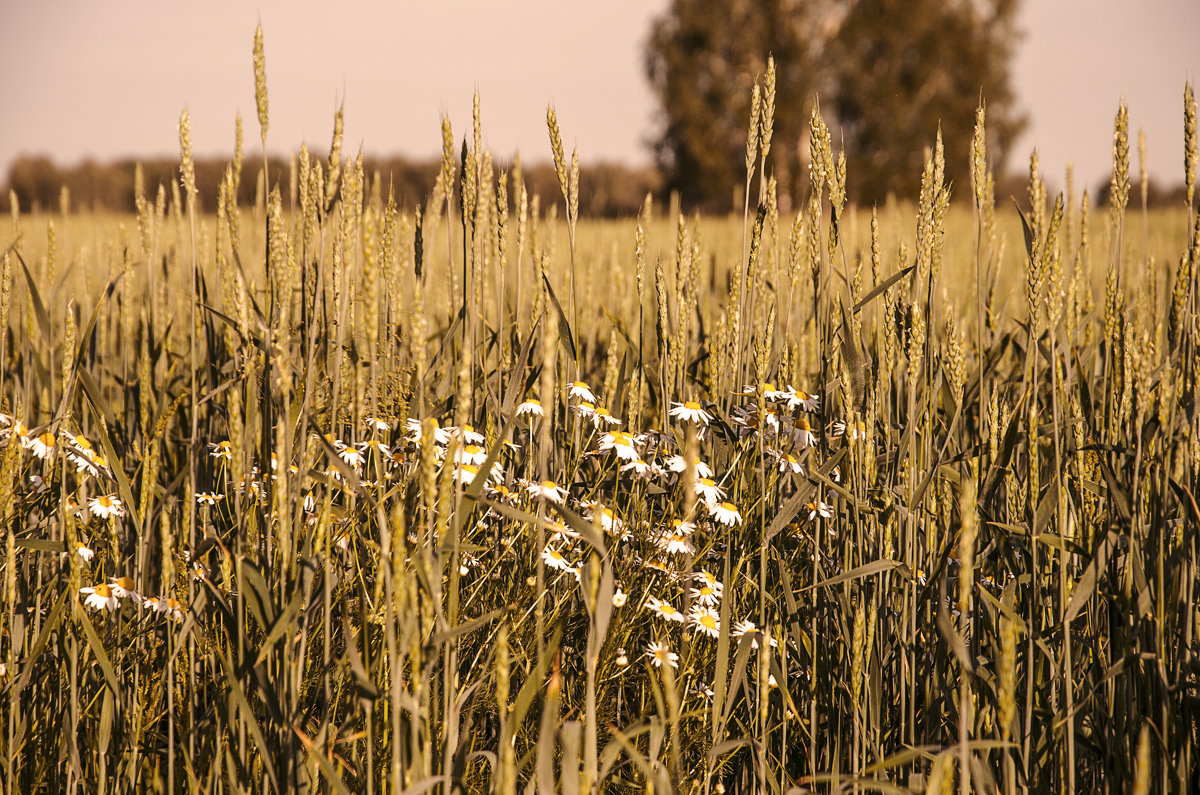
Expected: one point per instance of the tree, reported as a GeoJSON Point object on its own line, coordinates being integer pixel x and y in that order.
{"type": "Point", "coordinates": [906, 67]}
{"type": "Point", "coordinates": [888, 73]}
{"type": "Point", "coordinates": [702, 59]}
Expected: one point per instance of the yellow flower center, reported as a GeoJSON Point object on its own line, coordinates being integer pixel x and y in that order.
{"type": "Point", "coordinates": [103, 591]}
{"type": "Point", "coordinates": [125, 582]}
{"type": "Point", "coordinates": [692, 405]}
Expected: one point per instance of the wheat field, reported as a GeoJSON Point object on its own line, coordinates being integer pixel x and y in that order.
{"type": "Point", "coordinates": [330, 494]}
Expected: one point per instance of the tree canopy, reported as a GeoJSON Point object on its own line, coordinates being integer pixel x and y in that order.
{"type": "Point", "coordinates": [887, 74]}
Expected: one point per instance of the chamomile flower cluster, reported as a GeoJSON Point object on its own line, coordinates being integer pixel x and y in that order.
{"type": "Point", "coordinates": [110, 596]}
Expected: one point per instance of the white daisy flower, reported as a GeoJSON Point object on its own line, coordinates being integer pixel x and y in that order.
{"type": "Point", "coordinates": [709, 491]}
{"type": "Point", "coordinates": [221, 450]}
{"type": "Point", "coordinates": [772, 393]}
{"type": "Point", "coordinates": [675, 544]}
{"type": "Point", "coordinates": [609, 520]}
{"type": "Point", "coordinates": [619, 597]}
{"type": "Point", "coordinates": [467, 433]}
{"type": "Point", "coordinates": [466, 473]}
{"type": "Point", "coordinates": [819, 508]}
{"type": "Point", "coordinates": [471, 454]}
{"type": "Point", "coordinates": [857, 430]}
{"type": "Point", "coordinates": [84, 552]}
{"type": "Point", "coordinates": [690, 411]}
{"type": "Point", "coordinates": [14, 427]}
{"type": "Point", "coordinates": [79, 445]}
{"type": "Point", "coordinates": [705, 620]}
{"type": "Point", "coordinates": [584, 409]}
{"type": "Point", "coordinates": [547, 490]}
{"type": "Point", "coordinates": [532, 407]}
{"type": "Point", "coordinates": [639, 468]}
{"type": "Point", "coordinates": [659, 654]}
{"type": "Point", "coordinates": [807, 402]}
{"type": "Point", "coordinates": [682, 528]}
{"type": "Point", "coordinates": [209, 498]}
{"type": "Point", "coordinates": [352, 456]}
{"type": "Point", "coordinates": [376, 424]}
{"type": "Point", "coordinates": [747, 626]}
{"type": "Point", "coordinates": [768, 389]}
{"type": "Point", "coordinates": [803, 434]}
{"type": "Point", "coordinates": [601, 418]}
{"type": "Point", "coordinates": [707, 593]}
{"type": "Point", "coordinates": [440, 435]}
{"type": "Point", "coordinates": [100, 597]}
{"type": "Point", "coordinates": [664, 610]}
{"type": "Point", "coordinates": [727, 514]}
{"type": "Point", "coordinates": [657, 437]}
{"type": "Point", "coordinates": [374, 444]}
{"type": "Point", "coordinates": [678, 464]}
{"type": "Point", "coordinates": [467, 563]}
{"type": "Point", "coordinates": [93, 464]}
{"type": "Point", "coordinates": [579, 389]}
{"type": "Point", "coordinates": [496, 473]}
{"type": "Point", "coordinates": [43, 445]}
{"type": "Point", "coordinates": [620, 443]}
{"type": "Point", "coordinates": [106, 506]}
{"type": "Point", "coordinates": [622, 657]}
{"type": "Point", "coordinates": [124, 588]}
{"type": "Point", "coordinates": [789, 463]}
{"type": "Point", "coordinates": [555, 559]}
{"type": "Point", "coordinates": [559, 530]}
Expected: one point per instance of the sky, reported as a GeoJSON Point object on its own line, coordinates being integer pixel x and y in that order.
{"type": "Point", "coordinates": [83, 79]}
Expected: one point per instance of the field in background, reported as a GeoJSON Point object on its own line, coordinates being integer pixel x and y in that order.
{"type": "Point", "coordinates": [329, 494]}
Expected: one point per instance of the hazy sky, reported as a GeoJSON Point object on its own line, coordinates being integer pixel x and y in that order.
{"type": "Point", "coordinates": [105, 79]}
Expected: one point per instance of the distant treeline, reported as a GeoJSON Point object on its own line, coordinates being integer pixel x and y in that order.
{"type": "Point", "coordinates": [606, 190]}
